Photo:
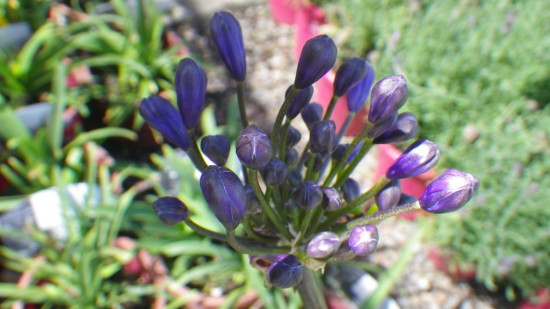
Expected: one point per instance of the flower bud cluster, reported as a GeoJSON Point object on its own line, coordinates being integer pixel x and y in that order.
{"type": "Point", "coordinates": [298, 206]}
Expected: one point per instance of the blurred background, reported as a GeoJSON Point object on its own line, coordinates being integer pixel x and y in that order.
{"type": "Point", "coordinates": [79, 169]}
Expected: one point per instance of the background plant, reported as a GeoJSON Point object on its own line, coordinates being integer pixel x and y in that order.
{"type": "Point", "coordinates": [478, 87]}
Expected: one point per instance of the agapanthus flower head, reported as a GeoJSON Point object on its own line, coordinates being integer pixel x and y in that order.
{"type": "Point", "coordinates": [293, 137]}
{"type": "Point", "coordinates": [349, 74]}
{"type": "Point", "coordinates": [449, 192]}
{"type": "Point", "coordinates": [363, 239]}
{"type": "Point", "coordinates": [358, 94]}
{"type": "Point", "coordinates": [388, 95]}
{"type": "Point", "coordinates": [389, 196]}
{"type": "Point", "coordinates": [404, 128]}
{"type": "Point", "coordinates": [275, 172]}
{"type": "Point", "coordinates": [323, 245]}
{"type": "Point", "coordinates": [160, 114]}
{"type": "Point", "coordinates": [417, 159]}
{"type": "Point", "coordinates": [190, 85]}
{"type": "Point", "coordinates": [254, 148]}
{"type": "Point", "coordinates": [299, 102]}
{"type": "Point", "coordinates": [323, 137]}
{"type": "Point", "coordinates": [311, 114]}
{"type": "Point", "coordinates": [308, 195]}
{"type": "Point", "coordinates": [350, 189]}
{"type": "Point", "coordinates": [216, 148]}
{"type": "Point", "coordinates": [332, 199]}
{"type": "Point", "coordinates": [170, 210]}
{"type": "Point", "coordinates": [225, 194]}
{"type": "Point", "coordinates": [317, 58]}
{"type": "Point", "coordinates": [285, 272]}
{"type": "Point", "coordinates": [228, 38]}
{"type": "Point", "coordinates": [381, 127]}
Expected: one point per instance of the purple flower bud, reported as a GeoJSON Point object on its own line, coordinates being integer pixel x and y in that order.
{"type": "Point", "coordinates": [164, 117]}
{"type": "Point", "coordinates": [363, 239]}
{"type": "Point", "coordinates": [340, 149]}
{"type": "Point", "coordinates": [350, 189]}
{"type": "Point", "coordinates": [275, 172]}
{"type": "Point", "coordinates": [317, 58]}
{"type": "Point", "coordinates": [332, 199]}
{"type": "Point", "coordinates": [381, 127]}
{"type": "Point", "coordinates": [308, 195]}
{"type": "Point", "coordinates": [216, 148]}
{"type": "Point", "coordinates": [292, 158]}
{"type": "Point", "coordinates": [170, 210]}
{"type": "Point", "coordinates": [387, 97]}
{"type": "Point", "coordinates": [358, 94]}
{"type": "Point", "coordinates": [449, 192]}
{"type": "Point", "coordinates": [190, 91]}
{"type": "Point", "coordinates": [404, 128]}
{"type": "Point", "coordinates": [389, 196]}
{"type": "Point", "coordinates": [322, 137]}
{"type": "Point", "coordinates": [312, 113]}
{"type": "Point", "coordinates": [349, 74]}
{"type": "Point", "coordinates": [419, 158]}
{"type": "Point", "coordinates": [293, 136]}
{"type": "Point", "coordinates": [323, 245]}
{"type": "Point", "coordinates": [406, 199]}
{"type": "Point", "coordinates": [225, 194]}
{"type": "Point", "coordinates": [300, 100]}
{"type": "Point", "coordinates": [254, 148]}
{"type": "Point", "coordinates": [228, 38]}
{"type": "Point", "coordinates": [285, 272]}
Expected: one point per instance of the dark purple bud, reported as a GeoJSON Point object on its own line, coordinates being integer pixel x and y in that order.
{"type": "Point", "coordinates": [350, 189]}
{"type": "Point", "coordinates": [317, 58]}
{"type": "Point", "coordinates": [419, 158]}
{"type": "Point", "coordinates": [381, 127]}
{"type": "Point", "coordinates": [389, 196]}
{"type": "Point", "coordinates": [323, 245]}
{"type": "Point", "coordinates": [293, 136]}
{"type": "Point", "coordinates": [254, 148]}
{"type": "Point", "coordinates": [285, 272]}
{"type": "Point", "coordinates": [164, 117]}
{"type": "Point", "coordinates": [299, 102]}
{"type": "Point", "coordinates": [253, 205]}
{"type": "Point", "coordinates": [190, 91]}
{"type": "Point", "coordinates": [292, 158]}
{"type": "Point", "coordinates": [449, 192]}
{"type": "Point", "coordinates": [275, 172]}
{"type": "Point", "coordinates": [405, 199]}
{"type": "Point", "coordinates": [363, 239]}
{"type": "Point", "coordinates": [349, 74]}
{"type": "Point", "coordinates": [404, 128]}
{"type": "Point", "coordinates": [322, 137]}
{"type": "Point", "coordinates": [308, 195]}
{"type": "Point", "coordinates": [170, 210]}
{"type": "Point", "coordinates": [332, 199]}
{"type": "Point", "coordinates": [387, 97]}
{"type": "Point", "coordinates": [216, 148]}
{"type": "Point", "coordinates": [228, 38]}
{"type": "Point", "coordinates": [225, 194]}
{"type": "Point", "coordinates": [312, 113]}
{"type": "Point", "coordinates": [358, 94]}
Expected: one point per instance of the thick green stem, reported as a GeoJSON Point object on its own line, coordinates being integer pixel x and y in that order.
{"type": "Point", "coordinates": [381, 215]}
{"type": "Point", "coordinates": [194, 152]}
{"type": "Point", "coordinates": [284, 135]}
{"type": "Point", "coordinates": [275, 137]}
{"type": "Point", "coordinates": [343, 175]}
{"type": "Point", "coordinates": [253, 178]}
{"type": "Point", "coordinates": [310, 290]}
{"type": "Point", "coordinates": [330, 107]}
{"type": "Point", "coordinates": [204, 232]}
{"type": "Point", "coordinates": [240, 99]}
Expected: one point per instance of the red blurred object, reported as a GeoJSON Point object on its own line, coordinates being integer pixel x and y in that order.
{"type": "Point", "coordinates": [540, 301]}
{"type": "Point", "coordinates": [441, 261]}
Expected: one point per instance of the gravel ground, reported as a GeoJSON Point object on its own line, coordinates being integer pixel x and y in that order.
{"type": "Point", "coordinates": [271, 68]}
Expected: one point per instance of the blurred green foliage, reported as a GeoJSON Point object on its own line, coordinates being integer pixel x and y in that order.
{"type": "Point", "coordinates": [479, 80]}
